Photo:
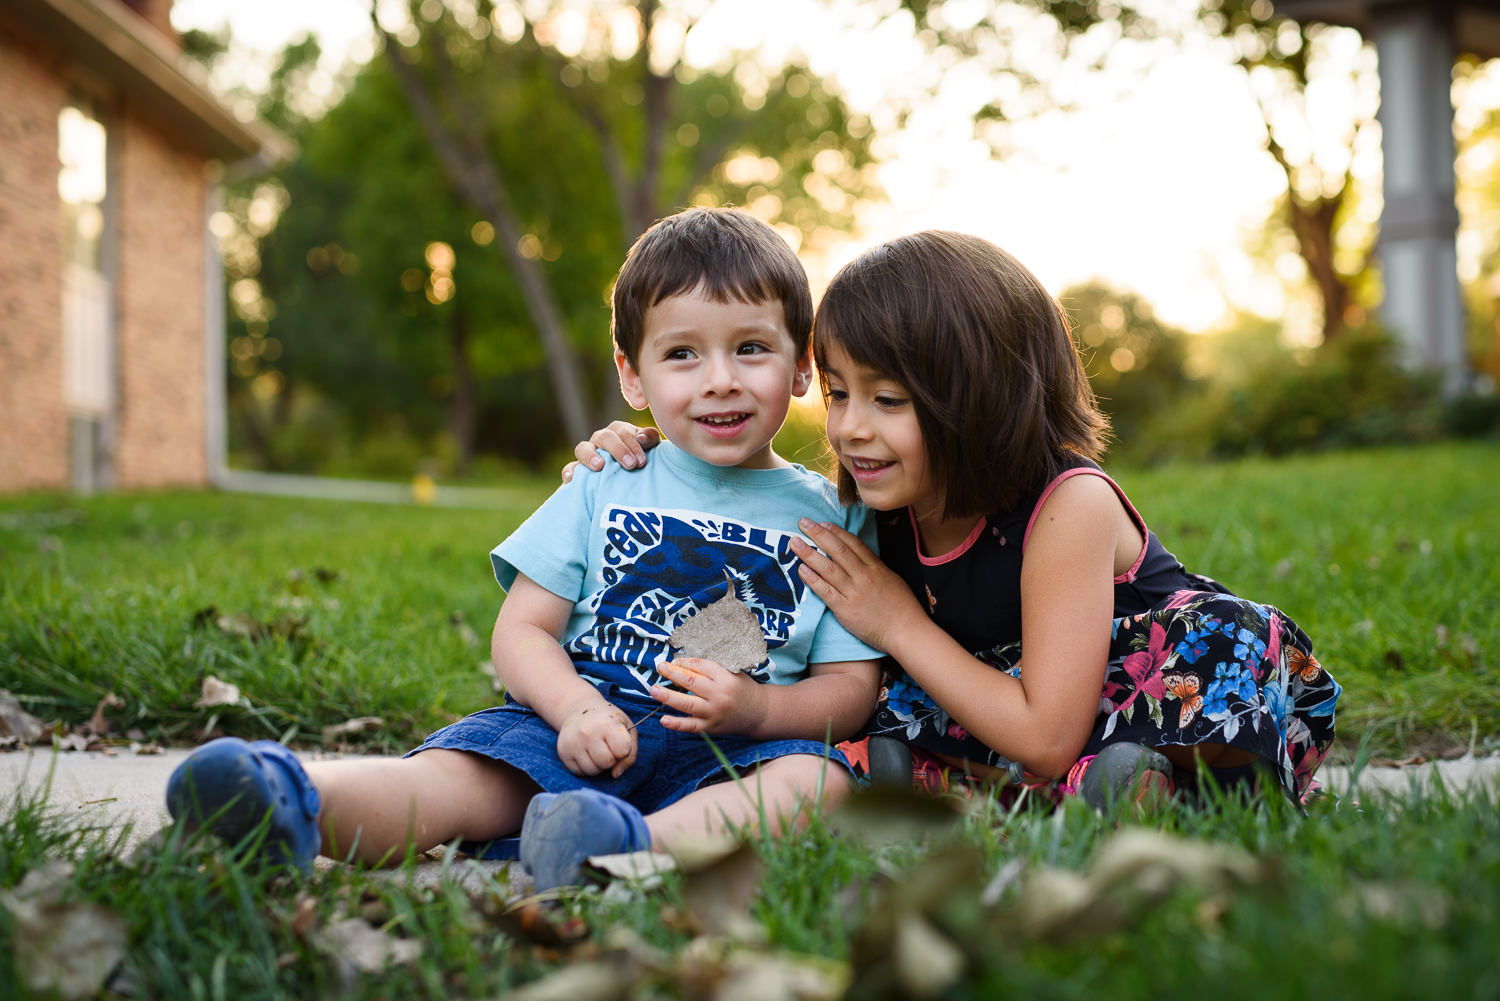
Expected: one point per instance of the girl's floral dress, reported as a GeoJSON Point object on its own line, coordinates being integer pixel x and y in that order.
{"type": "Point", "coordinates": [1189, 662]}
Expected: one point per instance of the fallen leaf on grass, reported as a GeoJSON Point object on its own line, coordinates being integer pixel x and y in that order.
{"type": "Point", "coordinates": [63, 948]}
{"type": "Point", "coordinates": [366, 948]}
{"type": "Point", "coordinates": [601, 980]}
{"type": "Point", "coordinates": [882, 816]}
{"type": "Point", "coordinates": [726, 632]}
{"type": "Point", "coordinates": [1134, 870]}
{"type": "Point", "coordinates": [217, 693]}
{"type": "Point", "coordinates": [17, 722]}
{"type": "Point", "coordinates": [927, 962]}
{"type": "Point", "coordinates": [248, 627]}
{"type": "Point", "coordinates": [644, 870]}
{"type": "Point", "coordinates": [718, 895]}
{"type": "Point", "coordinates": [466, 633]}
{"type": "Point", "coordinates": [530, 921]}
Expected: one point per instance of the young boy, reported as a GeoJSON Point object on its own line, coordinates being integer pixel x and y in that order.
{"type": "Point", "coordinates": [594, 753]}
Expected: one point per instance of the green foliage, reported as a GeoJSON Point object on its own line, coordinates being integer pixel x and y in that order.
{"type": "Point", "coordinates": [1135, 363]}
{"type": "Point", "coordinates": [393, 306]}
{"type": "Point", "coordinates": [1352, 392]}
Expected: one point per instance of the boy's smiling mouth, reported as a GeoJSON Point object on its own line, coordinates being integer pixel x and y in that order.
{"type": "Point", "coordinates": [723, 423]}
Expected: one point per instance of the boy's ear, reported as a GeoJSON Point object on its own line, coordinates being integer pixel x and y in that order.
{"type": "Point", "coordinates": [802, 378]}
{"type": "Point", "coordinates": [630, 382]}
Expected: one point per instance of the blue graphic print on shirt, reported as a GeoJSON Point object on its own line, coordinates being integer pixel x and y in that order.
{"type": "Point", "coordinates": [660, 569]}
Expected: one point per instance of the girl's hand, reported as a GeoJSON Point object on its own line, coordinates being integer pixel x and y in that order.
{"type": "Point", "coordinates": [621, 439]}
{"type": "Point", "coordinates": [866, 596]}
{"type": "Point", "coordinates": [713, 699]}
{"type": "Point", "coordinates": [595, 739]}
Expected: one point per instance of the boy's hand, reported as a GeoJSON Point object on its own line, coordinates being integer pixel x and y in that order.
{"type": "Point", "coordinates": [595, 739]}
{"type": "Point", "coordinates": [713, 699]}
{"type": "Point", "coordinates": [621, 439]}
{"type": "Point", "coordinates": [865, 595]}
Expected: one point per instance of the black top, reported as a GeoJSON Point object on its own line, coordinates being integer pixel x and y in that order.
{"type": "Point", "coordinates": [974, 592]}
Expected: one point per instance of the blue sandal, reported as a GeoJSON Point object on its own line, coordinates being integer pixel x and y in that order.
{"type": "Point", "coordinates": [562, 830]}
{"type": "Point", "coordinates": [230, 787]}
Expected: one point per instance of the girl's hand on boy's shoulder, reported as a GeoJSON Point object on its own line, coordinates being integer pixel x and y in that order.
{"type": "Point", "coordinates": [621, 439]}
{"type": "Point", "coordinates": [597, 739]}
{"type": "Point", "coordinates": [865, 595]}
{"type": "Point", "coordinates": [713, 698]}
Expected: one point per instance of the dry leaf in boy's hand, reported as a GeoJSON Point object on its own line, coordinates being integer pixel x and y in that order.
{"type": "Point", "coordinates": [726, 632]}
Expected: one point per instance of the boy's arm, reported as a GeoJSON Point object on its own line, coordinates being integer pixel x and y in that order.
{"type": "Point", "coordinates": [592, 735]}
{"type": "Point", "coordinates": [833, 701]}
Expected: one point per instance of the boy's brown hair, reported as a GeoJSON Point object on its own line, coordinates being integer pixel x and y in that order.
{"type": "Point", "coordinates": [999, 390]}
{"type": "Point", "coordinates": [728, 253]}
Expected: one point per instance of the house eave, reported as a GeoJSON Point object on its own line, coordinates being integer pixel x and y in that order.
{"type": "Point", "coordinates": [113, 43]}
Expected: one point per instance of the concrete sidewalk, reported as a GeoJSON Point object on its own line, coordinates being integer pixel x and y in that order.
{"type": "Point", "coordinates": [115, 789]}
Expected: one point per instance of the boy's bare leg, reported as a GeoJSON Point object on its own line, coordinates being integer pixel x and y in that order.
{"type": "Point", "coordinates": [375, 809]}
{"type": "Point", "coordinates": [781, 791]}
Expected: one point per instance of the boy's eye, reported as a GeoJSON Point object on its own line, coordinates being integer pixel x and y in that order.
{"type": "Point", "coordinates": [679, 354]}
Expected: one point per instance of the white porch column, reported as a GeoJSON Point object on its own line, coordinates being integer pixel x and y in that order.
{"type": "Point", "coordinates": [1423, 304]}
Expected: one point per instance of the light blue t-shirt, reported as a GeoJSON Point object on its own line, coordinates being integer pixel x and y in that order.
{"type": "Point", "coordinates": [638, 552]}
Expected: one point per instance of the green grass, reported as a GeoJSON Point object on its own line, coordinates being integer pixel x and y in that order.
{"type": "Point", "coordinates": [1370, 552]}
{"type": "Point", "coordinates": [1377, 901]}
{"type": "Point", "coordinates": [1390, 560]}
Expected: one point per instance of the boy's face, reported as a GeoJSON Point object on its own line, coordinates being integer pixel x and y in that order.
{"type": "Point", "coordinates": [718, 377]}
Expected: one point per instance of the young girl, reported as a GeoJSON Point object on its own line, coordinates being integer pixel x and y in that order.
{"type": "Point", "coordinates": [958, 408]}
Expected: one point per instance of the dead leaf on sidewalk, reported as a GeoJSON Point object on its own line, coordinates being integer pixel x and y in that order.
{"type": "Point", "coordinates": [63, 948]}
{"type": "Point", "coordinates": [352, 728]}
{"type": "Point", "coordinates": [98, 725]}
{"type": "Point", "coordinates": [217, 693]}
{"type": "Point", "coordinates": [16, 723]}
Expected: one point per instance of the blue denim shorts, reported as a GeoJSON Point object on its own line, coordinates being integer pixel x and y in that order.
{"type": "Point", "coordinates": [668, 765]}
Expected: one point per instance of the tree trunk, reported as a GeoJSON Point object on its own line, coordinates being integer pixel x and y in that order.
{"type": "Point", "coordinates": [462, 405]}
{"type": "Point", "coordinates": [476, 178]}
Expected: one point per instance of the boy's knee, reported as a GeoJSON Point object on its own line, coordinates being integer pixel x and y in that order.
{"type": "Point", "coordinates": [814, 779]}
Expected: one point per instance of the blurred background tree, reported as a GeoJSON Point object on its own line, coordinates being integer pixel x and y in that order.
{"type": "Point", "coordinates": [427, 283]}
{"type": "Point", "coordinates": [452, 227]}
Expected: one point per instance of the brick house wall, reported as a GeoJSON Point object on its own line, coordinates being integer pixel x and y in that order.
{"type": "Point", "coordinates": [160, 290]}
{"type": "Point", "coordinates": [33, 418]}
{"type": "Point", "coordinates": [163, 132]}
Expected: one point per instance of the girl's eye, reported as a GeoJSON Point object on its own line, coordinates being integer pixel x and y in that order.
{"type": "Point", "coordinates": [751, 349]}
{"type": "Point", "coordinates": [890, 402]}
{"type": "Point", "coordinates": [835, 396]}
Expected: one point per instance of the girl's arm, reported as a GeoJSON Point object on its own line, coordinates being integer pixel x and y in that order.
{"type": "Point", "coordinates": [593, 736]}
{"type": "Point", "coordinates": [1043, 718]}
{"type": "Point", "coordinates": [833, 701]}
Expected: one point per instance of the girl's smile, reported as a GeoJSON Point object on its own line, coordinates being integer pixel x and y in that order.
{"type": "Point", "coordinates": [872, 426]}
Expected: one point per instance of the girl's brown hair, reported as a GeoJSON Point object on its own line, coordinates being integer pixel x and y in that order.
{"type": "Point", "coordinates": [997, 384]}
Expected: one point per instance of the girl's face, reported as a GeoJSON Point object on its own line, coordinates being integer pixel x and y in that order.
{"type": "Point", "coordinates": [872, 426]}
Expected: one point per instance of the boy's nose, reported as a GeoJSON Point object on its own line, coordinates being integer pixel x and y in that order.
{"type": "Point", "coordinates": [720, 375]}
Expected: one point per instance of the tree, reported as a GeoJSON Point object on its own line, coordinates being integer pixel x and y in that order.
{"type": "Point", "coordinates": [1280, 58]}
{"type": "Point", "coordinates": [663, 133]}
{"type": "Point", "coordinates": [1135, 363]}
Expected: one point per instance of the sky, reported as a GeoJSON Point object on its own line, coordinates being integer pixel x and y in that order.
{"type": "Point", "coordinates": [1155, 184]}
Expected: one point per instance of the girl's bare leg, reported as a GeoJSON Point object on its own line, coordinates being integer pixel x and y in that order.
{"type": "Point", "coordinates": [782, 791]}
{"type": "Point", "coordinates": [374, 810]}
